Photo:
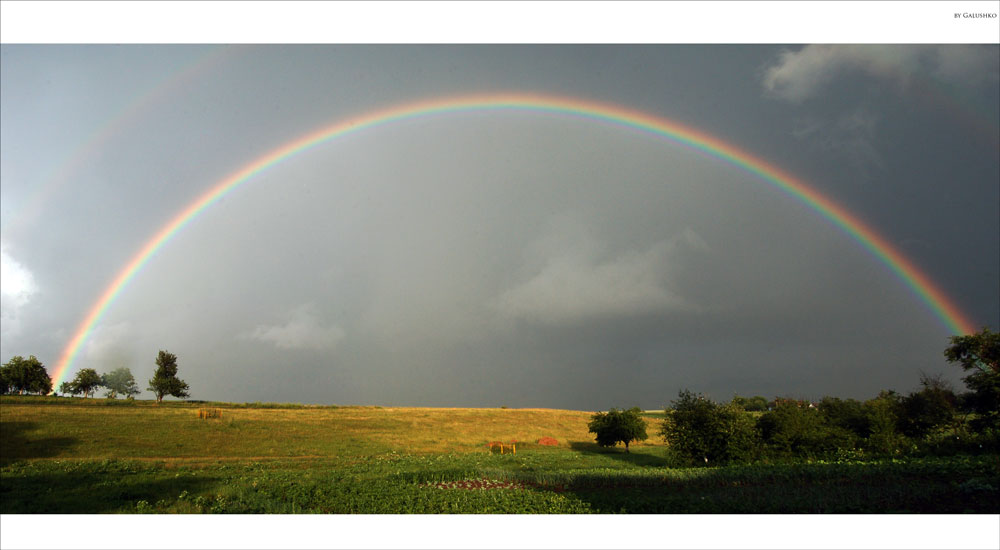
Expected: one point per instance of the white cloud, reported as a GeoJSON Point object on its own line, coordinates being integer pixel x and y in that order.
{"type": "Point", "coordinates": [17, 286]}
{"type": "Point", "coordinates": [799, 75]}
{"type": "Point", "coordinates": [302, 331]}
{"type": "Point", "coordinates": [576, 282]}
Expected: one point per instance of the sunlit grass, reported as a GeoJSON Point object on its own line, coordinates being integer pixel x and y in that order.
{"type": "Point", "coordinates": [145, 431]}
{"type": "Point", "coordinates": [77, 456]}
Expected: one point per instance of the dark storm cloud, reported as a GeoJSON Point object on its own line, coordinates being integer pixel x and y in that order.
{"type": "Point", "coordinates": [494, 259]}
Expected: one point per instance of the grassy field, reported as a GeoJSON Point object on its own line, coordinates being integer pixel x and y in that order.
{"type": "Point", "coordinates": [63, 455]}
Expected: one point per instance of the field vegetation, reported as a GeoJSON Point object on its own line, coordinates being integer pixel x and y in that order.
{"type": "Point", "coordinates": [931, 451]}
{"type": "Point", "coordinates": [75, 455]}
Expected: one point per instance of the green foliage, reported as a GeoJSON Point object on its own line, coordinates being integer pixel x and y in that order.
{"type": "Point", "coordinates": [757, 403]}
{"type": "Point", "coordinates": [846, 414]}
{"type": "Point", "coordinates": [617, 426]}
{"type": "Point", "coordinates": [980, 353]}
{"type": "Point", "coordinates": [883, 414]}
{"type": "Point", "coordinates": [553, 481]}
{"type": "Point", "coordinates": [791, 429]}
{"type": "Point", "coordinates": [59, 460]}
{"type": "Point", "coordinates": [86, 381]}
{"type": "Point", "coordinates": [929, 409]}
{"type": "Point", "coordinates": [984, 400]}
{"type": "Point", "coordinates": [20, 375]}
{"type": "Point", "coordinates": [165, 381]}
{"type": "Point", "coordinates": [120, 381]}
{"type": "Point", "coordinates": [703, 431]}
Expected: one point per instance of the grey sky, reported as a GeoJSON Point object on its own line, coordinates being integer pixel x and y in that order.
{"type": "Point", "coordinates": [498, 259]}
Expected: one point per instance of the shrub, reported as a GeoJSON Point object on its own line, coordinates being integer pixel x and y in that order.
{"type": "Point", "coordinates": [703, 431]}
{"type": "Point", "coordinates": [925, 411]}
{"type": "Point", "coordinates": [757, 403]}
{"type": "Point", "coordinates": [795, 430]}
{"type": "Point", "coordinates": [883, 414]}
{"type": "Point", "coordinates": [846, 414]}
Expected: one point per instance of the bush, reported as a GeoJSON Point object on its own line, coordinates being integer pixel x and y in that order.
{"type": "Point", "coordinates": [984, 402]}
{"type": "Point", "coordinates": [929, 409]}
{"type": "Point", "coordinates": [883, 414]}
{"type": "Point", "coordinates": [794, 430]}
{"type": "Point", "coordinates": [702, 431]}
{"type": "Point", "coordinates": [846, 414]}
{"type": "Point", "coordinates": [757, 403]}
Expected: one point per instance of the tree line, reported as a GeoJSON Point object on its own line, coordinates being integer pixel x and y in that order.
{"type": "Point", "coordinates": [21, 376]}
{"type": "Point", "coordinates": [932, 419]}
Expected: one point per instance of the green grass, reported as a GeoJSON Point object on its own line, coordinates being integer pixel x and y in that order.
{"type": "Point", "coordinates": [76, 456]}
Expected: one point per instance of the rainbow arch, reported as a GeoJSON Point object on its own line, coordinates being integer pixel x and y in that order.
{"type": "Point", "coordinates": [917, 281]}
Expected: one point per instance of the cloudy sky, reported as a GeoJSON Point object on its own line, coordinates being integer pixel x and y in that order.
{"type": "Point", "coordinates": [506, 258]}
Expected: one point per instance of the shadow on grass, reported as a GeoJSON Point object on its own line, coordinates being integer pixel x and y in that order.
{"type": "Point", "coordinates": [929, 488]}
{"type": "Point", "coordinates": [635, 457]}
{"type": "Point", "coordinates": [48, 491]}
{"type": "Point", "coordinates": [17, 445]}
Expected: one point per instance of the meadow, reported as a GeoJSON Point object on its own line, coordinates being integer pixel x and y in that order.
{"type": "Point", "coordinates": [71, 455]}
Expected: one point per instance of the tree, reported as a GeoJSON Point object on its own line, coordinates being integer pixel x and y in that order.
{"type": "Point", "coordinates": [701, 430]}
{"type": "Point", "coordinates": [848, 414]}
{"type": "Point", "coordinates": [932, 407]}
{"type": "Point", "coordinates": [884, 414]}
{"type": "Point", "coordinates": [757, 403]}
{"type": "Point", "coordinates": [165, 381]}
{"type": "Point", "coordinates": [66, 389]}
{"type": "Point", "coordinates": [976, 351]}
{"type": "Point", "coordinates": [120, 381]}
{"type": "Point", "coordinates": [86, 381]}
{"type": "Point", "coordinates": [618, 426]}
{"type": "Point", "coordinates": [795, 430]}
{"type": "Point", "coordinates": [25, 376]}
{"type": "Point", "coordinates": [980, 353]}
{"type": "Point", "coordinates": [5, 384]}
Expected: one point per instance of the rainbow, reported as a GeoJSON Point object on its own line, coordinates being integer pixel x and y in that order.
{"type": "Point", "coordinates": [64, 170]}
{"type": "Point", "coordinates": [603, 113]}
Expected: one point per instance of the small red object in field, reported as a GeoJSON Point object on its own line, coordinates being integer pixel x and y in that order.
{"type": "Point", "coordinates": [548, 441]}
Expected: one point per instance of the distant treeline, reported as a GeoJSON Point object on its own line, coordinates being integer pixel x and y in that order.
{"type": "Point", "coordinates": [932, 420]}
{"type": "Point", "coordinates": [191, 403]}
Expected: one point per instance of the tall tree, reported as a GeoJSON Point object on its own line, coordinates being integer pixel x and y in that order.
{"type": "Point", "coordinates": [976, 351]}
{"type": "Point", "coordinates": [980, 353]}
{"type": "Point", "coordinates": [6, 385]}
{"type": "Point", "coordinates": [618, 426]}
{"type": "Point", "coordinates": [86, 381]}
{"type": "Point", "coordinates": [120, 381]}
{"type": "Point", "coordinates": [25, 376]}
{"type": "Point", "coordinates": [165, 381]}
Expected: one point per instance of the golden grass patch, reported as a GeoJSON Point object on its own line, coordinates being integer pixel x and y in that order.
{"type": "Point", "coordinates": [177, 432]}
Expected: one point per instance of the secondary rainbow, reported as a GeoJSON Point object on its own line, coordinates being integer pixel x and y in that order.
{"type": "Point", "coordinates": [928, 292]}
